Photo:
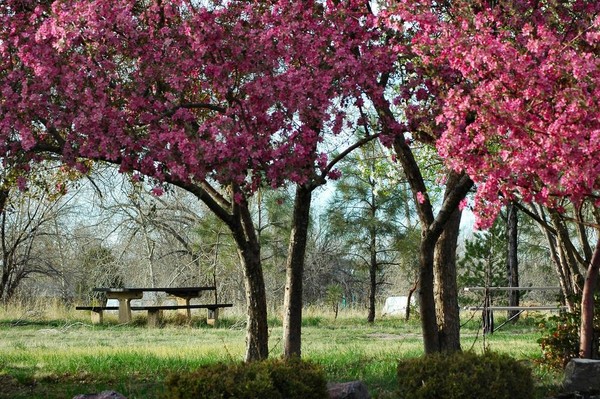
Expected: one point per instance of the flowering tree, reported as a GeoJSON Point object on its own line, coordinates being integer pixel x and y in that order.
{"type": "Point", "coordinates": [416, 91]}
{"type": "Point", "coordinates": [218, 99]}
{"type": "Point", "coordinates": [524, 120]}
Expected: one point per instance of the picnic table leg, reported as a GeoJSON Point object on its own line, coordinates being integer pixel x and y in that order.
{"type": "Point", "coordinates": [97, 316]}
{"type": "Point", "coordinates": [186, 312]}
{"type": "Point", "coordinates": [124, 299]}
{"type": "Point", "coordinates": [212, 316]}
{"type": "Point", "coordinates": [153, 318]}
{"type": "Point", "coordinates": [124, 310]}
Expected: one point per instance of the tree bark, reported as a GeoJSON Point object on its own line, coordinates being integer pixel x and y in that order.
{"type": "Point", "coordinates": [570, 258]}
{"type": "Point", "coordinates": [411, 291]}
{"type": "Point", "coordinates": [292, 304]}
{"type": "Point", "coordinates": [257, 334]}
{"type": "Point", "coordinates": [556, 254]}
{"type": "Point", "coordinates": [236, 215]}
{"type": "Point", "coordinates": [512, 260]}
{"type": "Point", "coordinates": [586, 334]}
{"type": "Point", "coordinates": [372, 275]}
{"type": "Point", "coordinates": [431, 230]}
{"type": "Point", "coordinates": [446, 290]}
{"type": "Point", "coordinates": [431, 339]}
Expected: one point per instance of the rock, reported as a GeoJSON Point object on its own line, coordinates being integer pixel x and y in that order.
{"type": "Point", "coordinates": [582, 375]}
{"type": "Point", "coordinates": [348, 390]}
{"type": "Point", "coordinates": [101, 395]}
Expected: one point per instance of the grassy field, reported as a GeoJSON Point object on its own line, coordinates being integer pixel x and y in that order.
{"type": "Point", "coordinates": [59, 354]}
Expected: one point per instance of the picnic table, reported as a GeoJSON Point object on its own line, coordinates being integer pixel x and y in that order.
{"type": "Point", "coordinates": [183, 295]}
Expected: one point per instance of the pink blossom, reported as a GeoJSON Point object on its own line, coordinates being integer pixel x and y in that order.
{"type": "Point", "coordinates": [22, 183]}
{"type": "Point", "coordinates": [143, 86]}
{"type": "Point", "coordinates": [157, 191]}
{"type": "Point", "coordinates": [515, 106]}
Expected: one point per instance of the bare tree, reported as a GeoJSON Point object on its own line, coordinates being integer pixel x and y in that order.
{"type": "Point", "coordinates": [26, 226]}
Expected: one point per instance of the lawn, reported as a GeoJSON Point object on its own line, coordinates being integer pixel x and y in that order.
{"type": "Point", "coordinates": [62, 354]}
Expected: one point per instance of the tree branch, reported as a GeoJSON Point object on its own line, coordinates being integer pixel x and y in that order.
{"type": "Point", "coordinates": [347, 151]}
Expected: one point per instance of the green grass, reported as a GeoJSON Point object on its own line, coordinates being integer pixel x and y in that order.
{"type": "Point", "coordinates": [50, 357]}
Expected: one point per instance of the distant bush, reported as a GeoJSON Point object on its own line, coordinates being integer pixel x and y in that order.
{"type": "Point", "coordinates": [270, 379]}
{"type": "Point", "coordinates": [464, 375]}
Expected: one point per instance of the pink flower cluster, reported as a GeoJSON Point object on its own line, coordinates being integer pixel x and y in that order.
{"type": "Point", "coordinates": [520, 113]}
{"type": "Point", "coordinates": [238, 93]}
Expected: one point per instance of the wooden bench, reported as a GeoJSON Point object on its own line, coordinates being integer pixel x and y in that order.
{"type": "Point", "coordinates": [97, 312]}
{"type": "Point", "coordinates": [154, 311]}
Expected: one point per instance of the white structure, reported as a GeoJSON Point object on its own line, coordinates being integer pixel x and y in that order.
{"type": "Point", "coordinates": [396, 305]}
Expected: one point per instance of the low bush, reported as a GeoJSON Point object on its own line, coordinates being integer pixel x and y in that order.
{"type": "Point", "coordinates": [270, 379]}
{"type": "Point", "coordinates": [464, 375]}
{"type": "Point", "coordinates": [560, 336]}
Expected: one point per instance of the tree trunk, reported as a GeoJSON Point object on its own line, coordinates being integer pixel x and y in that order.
{"type": "Point", "coordinates": [562, 270]}
{"type": "Point", "coordinates": [568, 283]}
{"type": "Point", "coordinates": [446, 290]}
{"type": "Point", "coordinates": [431, 229]}
{"type": "Point", "coordinates": [586, 334]}
{"type": "Point", "coordinates": [431, 340]}
{"type": "Point", "coordinates": [487, 314]}
{"type": "Point", "coordinates": [512, 260]}
{"type": "Point", "coordinates": [292, 304]}
{"type": "Point", "coordinates": [257, 333]}
{"type": "Point", "coordinates": [248, 246]}
{"type": "Point", "coordinates": [372, 275]}
{"type": "Point", "coordinates": [570, 258]}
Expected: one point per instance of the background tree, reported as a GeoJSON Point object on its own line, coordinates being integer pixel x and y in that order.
{"type": "Point", "coordinates": [27, 216]}
{"type": "Point", "coordinates": [512, 258]}
{"type": "Point", "coordinates": [367, 210]}
{"type": "Point", "coordinates": [326, 265]}
{"type": "Point", "coordinates": [483, 264]}
{"type": "Point", "coordinates": [98, 268]}
{"type": "Point", "coordinates": [568, 247]}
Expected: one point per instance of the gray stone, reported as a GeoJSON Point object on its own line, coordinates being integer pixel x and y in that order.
{"type": "Point", "coordinates": [582, 375]}
{"type": "Point", "coordinates": [348, 390]}
{"type": "Point", "coordinates": [101, 395]}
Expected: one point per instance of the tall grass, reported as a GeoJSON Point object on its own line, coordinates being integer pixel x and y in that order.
{"type": "Point", "coordinates": [52, 351]}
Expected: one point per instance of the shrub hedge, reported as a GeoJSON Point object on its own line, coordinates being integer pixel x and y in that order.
{"type": "Point", "coordinates": [464, 375]}
{"type": "Point", "coordinates": [270, 379]}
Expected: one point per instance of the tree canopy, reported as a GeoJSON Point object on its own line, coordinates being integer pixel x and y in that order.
{"type": "Point", "coordinates": [523, 119]}
{"type": "Point", "coordinates": [240, 93]}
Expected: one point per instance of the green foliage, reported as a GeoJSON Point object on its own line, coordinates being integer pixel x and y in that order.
{"type": "Point", "coordinates": [484, 260]}
{"type": "Point", "coordinates": [464, 375]}
{"type": "Point", "coordinates": [560, 337]}
{"type": "Point", "coordinates": [268, 379]}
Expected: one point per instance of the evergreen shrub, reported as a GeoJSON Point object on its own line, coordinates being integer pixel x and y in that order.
{"type": "Point", "coordinates": [464, 375]}
{"type": "Point", "coordinates": [270, 379]}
